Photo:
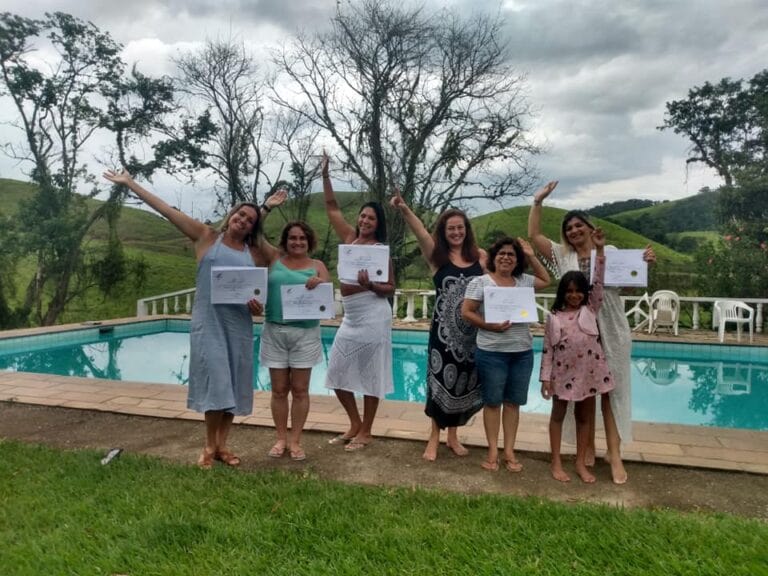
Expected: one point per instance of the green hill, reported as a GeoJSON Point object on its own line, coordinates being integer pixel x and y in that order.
{"type": "Point", "coordinates": [666, 221]}
{"type": "Point", "coordinates": [171, 265]}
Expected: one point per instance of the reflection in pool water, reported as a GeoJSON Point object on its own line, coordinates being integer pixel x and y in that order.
{"type": "Point", "coordinates": [695, 385]}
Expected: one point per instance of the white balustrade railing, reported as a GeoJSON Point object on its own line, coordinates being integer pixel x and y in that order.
{"type": "Point", "coordinates": [180, 302]}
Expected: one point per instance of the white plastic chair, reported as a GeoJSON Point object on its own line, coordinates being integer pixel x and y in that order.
{"type": "Point", "coordinates": [665, 311]}
{"type": "Point", "coordinates": [641, 309]}
{"type": "Point", "coordinates": [734, 379]}
{"type": "Point", "coordinates": [662, 371]}
{"type": "Point", "coordinates": [735, 312]}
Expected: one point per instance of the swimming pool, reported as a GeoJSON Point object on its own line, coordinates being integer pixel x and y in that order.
{"type": "Point", "coordinates": [710, 385]}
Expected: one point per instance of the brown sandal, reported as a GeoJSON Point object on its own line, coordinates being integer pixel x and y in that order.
{"type": "Point", "coordinates": [228, 458]}
{"type": "Point", "coordinates": [205, 462]}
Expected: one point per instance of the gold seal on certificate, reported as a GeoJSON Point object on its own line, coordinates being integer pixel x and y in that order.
{"type": "Point", "coordinates": [509, 304]}
{"type": "Point", "coordinates": [624, 268]}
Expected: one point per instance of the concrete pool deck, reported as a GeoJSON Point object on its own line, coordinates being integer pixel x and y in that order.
{"type": "Point", "coordinates": [696, 446]}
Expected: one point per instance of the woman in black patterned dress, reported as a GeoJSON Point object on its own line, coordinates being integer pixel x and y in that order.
{"type": "Point", "coordinates": [453, 395]}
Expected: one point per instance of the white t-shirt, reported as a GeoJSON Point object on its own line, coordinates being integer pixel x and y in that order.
{"type": "Point", "coordinates": [516, 338]}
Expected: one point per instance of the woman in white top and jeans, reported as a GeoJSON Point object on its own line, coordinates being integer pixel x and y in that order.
{"type": "Point", "coordinates": [504, 355]}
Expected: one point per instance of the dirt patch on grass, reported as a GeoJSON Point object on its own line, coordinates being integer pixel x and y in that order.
{"type": "Point", "coordinates": [388, 462]}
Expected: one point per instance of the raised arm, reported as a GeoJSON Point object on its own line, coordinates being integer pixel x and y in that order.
{"type": "Point", "coordinates": [540, 242]}
{"type": "Point", "coordinates": [423, 237]}
{"type": "Point", "coordinates": [344, 230]}
{"type": "Point", "coordinates": [193, 229]}
{"type": "Point", "coordinates": [540, 273]}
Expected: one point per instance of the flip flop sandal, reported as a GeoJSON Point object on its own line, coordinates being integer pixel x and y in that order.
{"type": "Point", "coordinates": [354, 446]}
{"type": "Point", "coordinates": [298, 455]}
{"type": "Point", "coordinates": [340, 439]}
{"type": "Point", "coordinates": [276, 451]}
{"type": "Point", "coordinates": [490, 466]}
{"type": "Point", "coordinates": [513, 466]}
{"type": "Point", "coordinates": [205, 462]}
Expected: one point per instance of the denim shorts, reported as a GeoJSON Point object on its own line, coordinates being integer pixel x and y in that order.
{"type": "Point", "coordinates": [504, 377]}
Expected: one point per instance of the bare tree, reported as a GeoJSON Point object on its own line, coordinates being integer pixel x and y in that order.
{"type": "Point", "coordinates": [225, 80]}
{"type": "Point", "coordinates": [296, 137]}
{"type": "Point", "coordinates": [424, 101]}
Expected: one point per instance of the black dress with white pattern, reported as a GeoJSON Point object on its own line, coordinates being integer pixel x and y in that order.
{"type": "Point", "coordinates": [453, 394]}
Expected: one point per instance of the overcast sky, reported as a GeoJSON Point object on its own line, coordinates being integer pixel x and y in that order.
{"type": "Point", "coordinates": [598, 73]}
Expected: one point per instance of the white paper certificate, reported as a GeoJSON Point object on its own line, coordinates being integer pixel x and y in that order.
{"type": "Point", "coordinates": [299, 303]}
{"type": "Point", "coordinates": [624, 268]}
{"type": "Point", "coordinates": [371, 257]}
{"type": "Point", "coordinates": [238, 284]}
{"type": "Point", "coordinates": [514, 304]}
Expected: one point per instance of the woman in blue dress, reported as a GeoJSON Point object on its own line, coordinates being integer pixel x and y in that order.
{"type": "Point", "coordinates": [453, 394]}
{"type": "Point", "coordinates": [221, 335]}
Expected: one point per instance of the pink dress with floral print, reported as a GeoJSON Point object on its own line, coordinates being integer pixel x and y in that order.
{"type": "Point", "coordinates": [572, 356]}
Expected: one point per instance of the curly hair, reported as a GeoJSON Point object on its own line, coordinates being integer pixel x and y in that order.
{"type": "Point", "coordinates": [496, 248]}
{"type": "Point", "coordinates": [308, 232]}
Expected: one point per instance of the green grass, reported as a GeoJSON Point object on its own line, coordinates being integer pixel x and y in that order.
{"type": "Point", "coordinates": [64, 513]}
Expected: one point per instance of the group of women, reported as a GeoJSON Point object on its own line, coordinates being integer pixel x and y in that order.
{"type": "Point", "coordinates": [472, 364]}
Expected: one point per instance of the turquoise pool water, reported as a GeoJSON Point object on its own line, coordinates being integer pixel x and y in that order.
{"type": "Point", "coordinates": [708, 385]}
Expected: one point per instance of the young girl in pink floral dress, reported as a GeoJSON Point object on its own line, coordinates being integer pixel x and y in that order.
{"type": "Point", "coordinates": [573, 366]}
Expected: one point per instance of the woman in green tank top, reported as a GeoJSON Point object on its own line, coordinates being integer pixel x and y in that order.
{"type": "Point", "coordinates": [290, 348]}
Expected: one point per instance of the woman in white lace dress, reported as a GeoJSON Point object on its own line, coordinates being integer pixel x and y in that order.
{"type": "Point", "coordinates": [361, 356]}
{"type": "Point", "coordinates": [573, 253]}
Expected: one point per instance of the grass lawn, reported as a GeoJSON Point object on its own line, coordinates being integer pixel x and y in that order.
{"type": "Point", "coordinates": [64, 513]}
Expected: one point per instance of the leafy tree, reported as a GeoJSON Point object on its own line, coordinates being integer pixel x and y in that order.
{"type": "Point", "coordinates": [224, 78]}
{"type": "Point", "coordinates": [60, 106]}
{"type": "Point", "coordinates": [425, 101]}
{"type": "Point", "coordinates": [727, 125]}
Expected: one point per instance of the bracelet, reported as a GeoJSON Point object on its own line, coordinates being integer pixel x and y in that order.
{"type": "Point", "coordinates": [266, 208]}
{"type": "Point", "coordinates": [536, 202]}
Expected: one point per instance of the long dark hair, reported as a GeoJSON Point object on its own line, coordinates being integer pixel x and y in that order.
{"type": "Point", "coordinates": [381, 222]}
{"type": "Point", "coordinates": [578, 214]}
{"type": "Point", "coordinates": [250, 238]}
{"type": "Point", "coordinates": [573, 277]}
{"type": "Point", "coordinates": [441, 254]}
{"type": "Point", "coordinates": [497, 246]}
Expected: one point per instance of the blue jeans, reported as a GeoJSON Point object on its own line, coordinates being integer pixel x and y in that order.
{"type": "Point", "coordinates": [504, 376]}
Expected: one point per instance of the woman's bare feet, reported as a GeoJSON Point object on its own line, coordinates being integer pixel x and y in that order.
{"type": "Point", "coordinates": [618, 472]}
{"type": "Point", "coordinates": [558, 473]}
{"type": "Point", "coordinates": [430, 452]}
{"type": "Point", "coordinates": [586, 476]}
{"type": "Point", "coordinates": [457, 447]}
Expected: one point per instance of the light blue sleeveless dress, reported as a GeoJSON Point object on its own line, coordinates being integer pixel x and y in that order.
{"type": "Point", "coordinates": [221, 342]}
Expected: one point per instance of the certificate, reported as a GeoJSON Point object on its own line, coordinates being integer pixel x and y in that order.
{"type": "Point", "coordinates": [238, 284]}
{"type": "Point", "coordinates": [501, 304]}
{"type": "Point", "coordinates": [356, 257]}
{"type": "Point", "coordinates": [623, 268]}
{"type": "Point", "coordinates": [299, 303]}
